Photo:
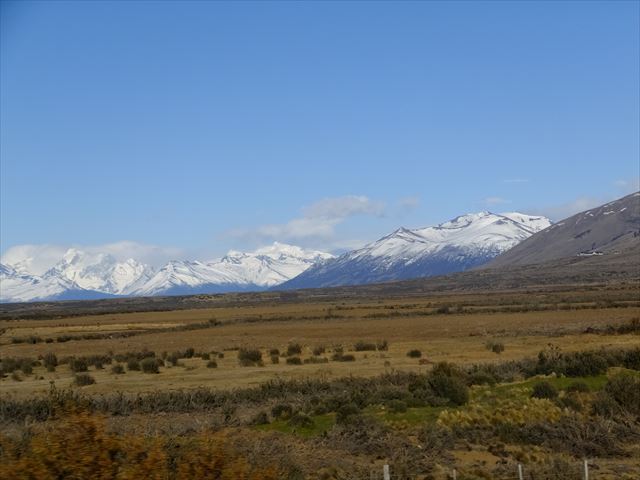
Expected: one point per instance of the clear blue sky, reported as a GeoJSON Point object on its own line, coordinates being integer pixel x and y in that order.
{"type": "Point", "coordinates": [196, 124]}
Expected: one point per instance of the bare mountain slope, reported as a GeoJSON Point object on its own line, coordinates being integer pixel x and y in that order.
{"type": "Point", "coordinates": [608, 229]}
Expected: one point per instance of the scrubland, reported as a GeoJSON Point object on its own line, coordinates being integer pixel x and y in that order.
{"type": "Point", "coordinates": [331, 388]}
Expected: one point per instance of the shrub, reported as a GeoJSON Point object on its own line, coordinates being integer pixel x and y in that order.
{"type": "Point", "coordinates": [579, 387]}
{"type": "Point", "coordinates": [382, 345]}
{"type": "Point", "coordinates": [205, 356]}
{"type": "Point", "coordinates": [189, 353]}
{"type": "Point", "coordinates": [340, 357]}
{"type": "Point", "coordinates": [261, 418]}
{"type": "Point", "coordinates": [212, 364]}
{"type": "Point", "coordinates": [16, 376]}
{"type": "Point", "coordinates": [294, 349]}
{"type": "Point", "coordinates": [319, 350]}
{"type": "Point", "coordinates": [624, 388]}
{"type": "Point", "coordinates": [78, 365]}
{"type": "Point", "coordinates": [495, 347]}
{"type": "Point", "coordinates": [117, 369]}
{"type": "Point", "coordinates": [282, 411]}
{"type": "Point", "coordinates": [414, 353]}
{"type": "Point", "coordinates": [149, 365]}
{"type": "Point", "coordinates": [300, 420]}
{"type": "Point", "coordinates": [316, 360]}
{"type": "Point", "coordinates": [275, 359]}
{"type": "Point", "coordinates": [274, 351]}
{"type": "Point", "coordinates": [294, 361]}
{"type": "Point", "coordinates": [452, 388]}
{"type": "Point", "coordinates": [364, 346]}
{"type": "Point", "coordinates": [83, 379]}
{"type": "Point", "coordinates": [50, 360]}
{"type": "Point", "coordinates": [133, 364]}
{"type": "Point", "coordinates": [173, 358]}
{"type": "Point", "coordinates": [397, 406]}
{"type": "Point", "coordinates": [347, 412]}
{"type": "Point", "coordinates": [544, 390]}
{"type": "Point", "coordinates": [249, 357]}
{"type": "Point", "coordinates": [27, 368]}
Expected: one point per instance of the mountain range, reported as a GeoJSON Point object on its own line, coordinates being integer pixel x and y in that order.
{"type": "Point", "coordinates": [82, 275]}
{"type": "Point", "coordinates": [474, 241]}
{"type": "Point", "coordinates": [457, 245]}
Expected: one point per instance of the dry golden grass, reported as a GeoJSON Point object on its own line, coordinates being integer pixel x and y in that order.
{"type": "Point", "coordinates": [406, 323]}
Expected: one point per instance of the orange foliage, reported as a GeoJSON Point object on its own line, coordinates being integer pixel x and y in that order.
{"type": "Point", "coordinates": [79, 447]}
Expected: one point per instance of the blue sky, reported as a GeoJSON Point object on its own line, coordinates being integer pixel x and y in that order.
{"type": "Point", "coordinates": [197, 127]}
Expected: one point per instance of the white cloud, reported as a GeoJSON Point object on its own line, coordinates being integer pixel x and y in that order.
{"type": "Point", "coordinates": [559, 212]}
{"type": "Point", "coordinates": [318, 221]}
{"type": "Point", "coordinates": [628, 186]}
{"type": "Point", "coordinates": [409, 203]}
{"type": "Point", "coordinates": [37, 259]}
{"type": "Point", "coordinates": [491, 201]}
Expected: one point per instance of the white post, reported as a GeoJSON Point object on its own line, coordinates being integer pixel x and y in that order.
{"type": "Point", "coordinates": [454, 474]}
{"type": "Point", "coordinates": [385, 472]}
{"type": "Point", "coordinates": [586, 469]}
{"type": "Point", "coordinates": [520, 477]}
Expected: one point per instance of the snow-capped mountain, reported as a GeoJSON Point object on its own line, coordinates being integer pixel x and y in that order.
{"type": "Point", "coordinates": [21, 287]}
{"type": "Point", "coordinates": [237, 271]}
{"type": "Point", "coordinates": [101, 272]}
{"type": "Point", "coordinates": [82, 275]}
{"type": "Point", "coordinates": [459, 244]}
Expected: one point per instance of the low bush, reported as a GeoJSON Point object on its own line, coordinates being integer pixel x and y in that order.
{"type": "Point", "coordinates": [319, 350]}
{"type": "Point", "coordinates": [274, 351]}
{"type": "Point", "coordinates": [249, 357]}
{"type": "Point", "coordinates": [624, 388]}
{"type": "Point", "coordinates": [495, 347]}
{"type": "Point", "coordinates": [50, 360]}
{"type": "Point", "coordinates": [301, 420]}
{"type": "Point", "coordinates": [544, 390]}
{"type": "Point", "coordinates": [347, 413]}
{"type": "Point", "coordinates": [282, 411]}
{"type": "Point", "coordinates": [382, 345]}
{"type": "Point", "coordinates": [341, 357]}
{"type": "Point", "coordinates": [362, 346]}
{"type": "Point", "coordinates": [150, 365]}
{"type": "Point", "coordinates": [78, 365]}
{"type": "Point", "coordinates": [414, 353]}
{"type": "Point", "coordinates": [294, 349]}
{"type": "Point", "coordinates": [294, 361]}
{"type": "Point", "coordinates": [275, 359]}
{"type": "Point", "coordinates": [212, 364]}
{"type": "Point", "coordinates": [117, 369]}
{"type": "Point", "coordinates": [83, 379]}
{"type": "Point", "coordinates": [397, 406]}
{"type": "Point", "coordinates": [315, 359]}
{"type": "Point", "coordinates": [133, 365]}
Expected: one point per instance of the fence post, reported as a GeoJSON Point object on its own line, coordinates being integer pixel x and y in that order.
{"type": "Point", "coordinates": [586, 469]}
{"type": "Point", "coordinates": [385, 472]}
{"type": "Point", "coordinates": [520, 477]}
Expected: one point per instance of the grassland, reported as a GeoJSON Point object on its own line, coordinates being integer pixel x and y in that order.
{"type": "Point", "coordinates": [237, 397]}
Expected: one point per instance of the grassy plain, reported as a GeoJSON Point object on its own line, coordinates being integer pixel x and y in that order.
{"type": "Point", "coordinates": [459, 328]}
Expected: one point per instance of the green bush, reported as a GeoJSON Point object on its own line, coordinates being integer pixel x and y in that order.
{"type": "Point", "coordinates": [294, 349]}
{"type": "Point", "coordinates": [347, 412]}
{"type": "Point", "coordinates": [50, 360]}
{"type": "Point", "coordinates": [397, 406]}
{"type": "Point", "coordinates": [78, 365]}
{"type": "Point", "coordinates": [579, 387]}
{"type": "Point", "coordinates": [300, 420]}
{"type": "Point", "coordinates": [133, 364]}
{"type": "Point", "coordinates": [117, 369]}
{"type": "Point", "coordinates": [544, 390]}
{"type": "Point", "coordinates": [249, 357]}
{"type": "Point", "coordinates": [624, 388]}
{"type": "Point", "coordinates": [83, 379]}
{"type": "Point", "coordinates": [362, 346]}
{"type": "Point", "coordinates": [282, 411]}
{"type": "Point", "coordinates": [452, 388]}
{"type": "Point", "coordinates": [149, 365]}
{"type": "Point", "coordinates": [341, 357]}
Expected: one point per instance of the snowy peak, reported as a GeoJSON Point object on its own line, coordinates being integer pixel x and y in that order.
{"type": "Point", "coordinates": [100, 271]}
{"type": "Point", "coordinates": [263, 268]}
{"type": "Point", "coordinates": [458, 244]}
